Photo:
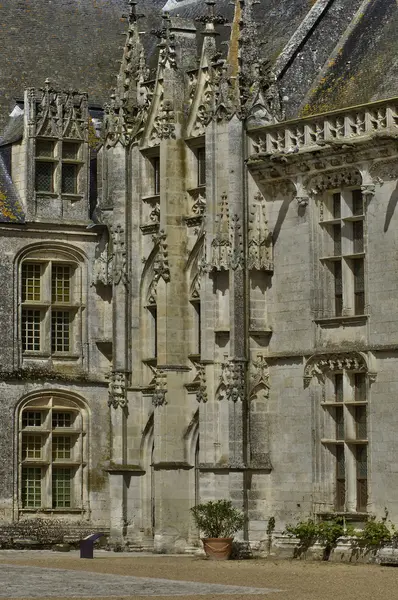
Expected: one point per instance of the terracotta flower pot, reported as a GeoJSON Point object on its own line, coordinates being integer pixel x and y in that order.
{"type": "Point", "coordinates": [217, 548]}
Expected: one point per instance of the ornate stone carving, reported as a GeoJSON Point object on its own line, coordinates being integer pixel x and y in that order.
{"type": "Point", "coordinates": [260, 237]}
{"type": "Point", "coordinates": [117, 390]}
{"type": "Point", "coordinates": [232, 381]}
{"type": "Point", "coordinates": [167, 50]}
{"type": "Point", "coordinates": [161, 266]}
{"type": "Point", "coordinates": [160, 383]}
{"type": "Point", "coordinates": [164, 123]}
{"type": "Point", "coordinates": [120, 274]}
{"type": "Point", "coordinates": [259, 377]}
{"type": "Point", "coordinates": [334, 180]}
{"type": "Point", "coordinates": [319, 365]}
{"type": "Point", "coordinates": [386, 170]}
{"type": "Point", "coordinates": [103, 267]}
{"type": "Point", "coordinates": [199, 205]}
{"type": "Point", "coordinates": [59, 114]}
{"type": "Point", "coordinates": [227, 246]}
{"type": "Point", "coordinates": [200, 383]}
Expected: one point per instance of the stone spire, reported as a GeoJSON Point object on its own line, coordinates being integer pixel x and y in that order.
{"type": "Point", "coordinates": [120, 113]}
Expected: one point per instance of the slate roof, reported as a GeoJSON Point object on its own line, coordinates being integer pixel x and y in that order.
{"type": "Point", "coordinates": [74, 42]}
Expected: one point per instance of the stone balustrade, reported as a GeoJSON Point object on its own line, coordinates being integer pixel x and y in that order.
{"type": "Point", "coordinates": [334, 128]}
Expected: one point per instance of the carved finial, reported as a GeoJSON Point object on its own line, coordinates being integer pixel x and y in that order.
{"type": "Point", "coordinates": [47, 84]}
{"type": "Point", "coordinates": [211, 18]}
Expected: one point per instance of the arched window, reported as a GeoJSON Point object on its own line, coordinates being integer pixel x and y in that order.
{"type": "Point", "coordinates": [52, 448]}
{"type": "Point", "coordinates": [51, 303]}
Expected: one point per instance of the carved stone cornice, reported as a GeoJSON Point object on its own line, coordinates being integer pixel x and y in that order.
{"type": "Point", "coordinates": [319, 365]}
{"type": "Point", "coordinates": [117, 390]}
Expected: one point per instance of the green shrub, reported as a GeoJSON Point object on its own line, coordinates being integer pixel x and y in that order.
{"type": "Point", "coordinates": [326, 533]}
{"type": "Point", "coordinates": [218, 519]}
{"type": "Point", "coordinates": [374, 535]}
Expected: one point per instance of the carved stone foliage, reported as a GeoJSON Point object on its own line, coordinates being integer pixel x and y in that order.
{"type": "Point", "coordinates": [58, 114]}
{"type": "Point", "coordinates": [198, 385]}
{"type": "Point", "coordinates": [115, 122]}
{"type": "Point", "coordinates": [232, 381]}
{"type": "Point", "coordinates": [167, 49]}
{"type": "Point", "coordinates": [119, 261]}
{"type": "Point", "coordinates": [386, 170]}
{"type": "Point", "coordinates": [164, 123]}
{"type": "Point", "coordinates": [259, 377]}
{"type": "Point", "coordinates": [227, 246]}
{"type": "Point", "coordinates": [334, 180]}
{"type": "Point", "coordinates": [260, 238]}
{"type": "Point", "coordinates": [161, 269]}
{"type": "Point", "coordinates": [117, 390]}
{"type": "Point", "coordinates": [103, 267]}
{"type": "Point", "coordinates": [319, 365]}
{"type": "Point", "coordinates": [160, 383]}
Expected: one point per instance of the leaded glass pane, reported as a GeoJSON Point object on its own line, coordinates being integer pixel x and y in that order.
{"type": "Point", "coordinates": [61, 487]}
{"type": "Point", "coordinates": [357, 235]}
{"type": "Point", "coordinates": [70, 150]}
{"type": "Point", "coordinates": [31, 282]}
{"type": "Point", "coordinates": [31, 447]}
{"type": "Point", "coordinates": [31, 418]}
{"type": "Point", "coordinates": [31, 487]}
{"type": "Point", "coordinates": [44, 148]}
{"type": "Point", "coordinates": [69, 179]}
{"type": "Point", "coordinates": [337, 239]}
{"type": "Point", "coordinates": [338, 288]}
{"type": "Point", "coordinates": [61, 447]}
{"type": "Point", "coordinates": [61, 419]}
{"type": "Point", "coordinates": [339, 418]}
{"type": "Point", "coordinates": [360, 422]}
{"type": "Point", "coordinates": [31, 320]}
{"type": "Point", "coordinates": [60, 283]}
{"type": "Point", "coordinates": [338, 387]}
{"type": "Point", "coordinates": [360, 387]}
{"type": "Point", "coordinates": [44, 176]}
{"type": "Point", "coordinates": [362, 461]}
{"type": "Point", "coordinates": [60, 331]}
{"type": "Point", "coordinates": [359, 286]}
{"type": "Point", "coordinates": [336, 206]}
{"type": "Point", "coordinates": [357, 202]}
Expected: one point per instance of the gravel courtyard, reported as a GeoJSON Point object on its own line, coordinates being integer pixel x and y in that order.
{"type": "Point", "coordinates": [60, 576]}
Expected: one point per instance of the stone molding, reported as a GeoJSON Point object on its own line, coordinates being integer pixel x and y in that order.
{"type": "Point", "coordinates": [320, 364]}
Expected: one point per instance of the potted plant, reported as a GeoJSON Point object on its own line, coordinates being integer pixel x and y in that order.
{"type": "Point", "coordinates": [218, 520]}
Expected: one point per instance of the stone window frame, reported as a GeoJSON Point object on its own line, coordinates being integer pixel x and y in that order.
{"type": "Point", "coordinates": [47, 465]}
{"type": "Point", "coordinates": [346, 300]}
{"type": "Point", "coordinates": [45, 256]}
{"type": "Point", "coordinates": [343, 251]}
{"type": "Point", "coordinates": [323, 368]}
{"type": "Point", "coordinates": [57, 159]}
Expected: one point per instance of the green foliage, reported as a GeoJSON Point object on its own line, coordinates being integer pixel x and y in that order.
{"type": "Point", "coordinates": [270, 525]}
{"type": "Point", "coordinates": [326, 533]}
{"type": "Point", "coordinates": [305, 531]}
{"type": "Point", "coordinates": [374, 535]}
{"type": "Point", "coordinates": [218, 519]}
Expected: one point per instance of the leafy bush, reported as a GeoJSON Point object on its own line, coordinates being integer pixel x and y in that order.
{"type": "Point", "coordinates": [305, 531]}
{"type": "Point", "coordinates": [374, 535]}
{"type": "Point", "coordinates": [326, 533]}
{"type": "Point", "coordinates": [218, 519]}
{"type": "Point", "coordinates": [329, 532]}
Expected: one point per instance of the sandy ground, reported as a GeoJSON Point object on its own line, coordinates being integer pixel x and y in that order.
{"type": "Point", "coordinates": [299, 580]}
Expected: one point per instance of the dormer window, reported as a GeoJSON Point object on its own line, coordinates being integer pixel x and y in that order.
{"type": "Point", "coordinates": [45, 164]}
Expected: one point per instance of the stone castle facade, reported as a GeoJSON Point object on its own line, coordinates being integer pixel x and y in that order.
{"type": "Point", "coordinates": [198, 293]}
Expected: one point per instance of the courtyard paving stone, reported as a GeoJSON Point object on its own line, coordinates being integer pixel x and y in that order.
{"type": "Point", "coordinates": [61, 576]}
